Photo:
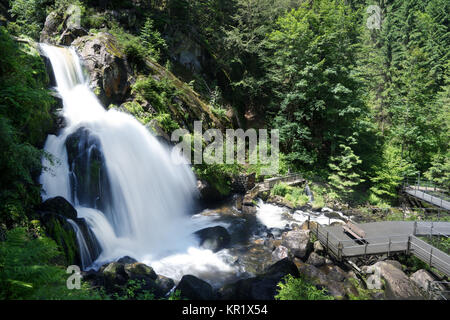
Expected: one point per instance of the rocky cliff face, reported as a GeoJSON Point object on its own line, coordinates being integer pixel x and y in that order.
{"type": "Point", "coordinates": [107, 66]}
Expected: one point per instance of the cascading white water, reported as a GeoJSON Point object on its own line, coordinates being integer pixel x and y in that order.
{"type": "Point", "coordinates": [120, 179]}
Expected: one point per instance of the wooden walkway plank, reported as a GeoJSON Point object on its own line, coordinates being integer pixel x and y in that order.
{"type": "Point", "coordinates": [388, 237]}
{"type": "Point", "coordinates": [421, 195]}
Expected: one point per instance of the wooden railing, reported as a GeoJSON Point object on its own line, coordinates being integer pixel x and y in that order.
{"type": "Point", "coordinates": [271, 182]}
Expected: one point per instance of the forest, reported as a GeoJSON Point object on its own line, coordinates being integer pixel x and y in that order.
{"type": "Point", "coordinates": [360, 107]}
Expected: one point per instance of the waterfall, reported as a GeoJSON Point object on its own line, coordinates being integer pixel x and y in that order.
{"type": "Point", "coordinates": [120, 179]}
{"type": "Point", "coordinates": [86, 259]}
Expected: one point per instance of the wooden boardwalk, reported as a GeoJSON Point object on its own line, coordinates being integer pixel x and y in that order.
{"type": "Point", "coordinates": [422, 195]}
{"type": "Point", "coordinates": [388, 237]}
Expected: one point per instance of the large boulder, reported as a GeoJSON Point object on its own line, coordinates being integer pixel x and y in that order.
{"type": "Point", "coordinates": [338, 288]}
{"type": "Point", "coordinates": [139, 270]}
{"type": "Point", "coordinates": [316, 260]}
{"type": "Point", "coordinates": [397, 285]}
{"type": "Point", "coordinates": [58, 205]}
{"type": "Point", "coordinates": [117, 276]}
{"type": "Point", "coordinates": [280, 253]}
{"type": "Point", "coordinates": [107, 66]}
{"type": "Point", "coordinates": [261, 287]}
{"type": "Point", "coordinates": [52, 23]}
{"type": "Point", "coordinates": [297, 242]}
{"type": "Point", "coordinates": [214, 238]}
{"type": "Point", "coordinates": [194, 288]}
{"type": "Point", "coordinates": [208, 192]}
{"type": "Point", "coordinates": [425, 281]}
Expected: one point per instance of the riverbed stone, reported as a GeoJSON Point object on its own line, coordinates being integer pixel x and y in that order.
{"type": "Point", "coordinates": [297, 242]}
{"type": "Point", "coordinates": [194, 288]}
{"type": "Point", "coordinates": [423, 279]}
{"type": "Point", "coordinates": [397, 285]}
{"type": "Point", "coordinates": [318, 248]}
{"type": "Point", "coordinates": [280, 253]}
{"type": "Point", "coordinates": [316, 259]}
{"type": "Point", "coordinates": [261, 287]}
{"type": "Point", "coordinates": [213, 238]}
{"type": "Point", "coordinates": [139, 270]}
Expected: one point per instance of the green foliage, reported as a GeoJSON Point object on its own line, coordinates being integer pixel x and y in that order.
{"type": "Point", "coordinates": [158, 93]}
{"type": "Point", "coordinates": [134, 291]}
{"type": "Point", "coordinates": [29, 17]}
{"type": "Point", "coordinates": [27, 270]}
{"type": "Point", "coordinates": [344, 175]}
{"type": "Point", "coordinates": [300, 289]}
{"type": "Point", "coordinates": [388, 176]}
{"type": "Point", "coordinates": [152, 41]}
{"type": "Point", "coordinates": [294, 195]}
{"type": "Point", "coordinates": [311, 52]}
{"type": "Point", "coordinates": [25, 119]}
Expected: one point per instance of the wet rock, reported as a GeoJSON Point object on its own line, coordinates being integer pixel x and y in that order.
{"type": "Point", "coordinates": [114, 274]}
{"type": "Point", "coordinates": [316, 260]}
{"type": "Point", "coordinates": [261, 287]}
{"type": "Point", "coordinates": [318, 248]}
{"type": "Point", "coordinates": [424, 280]}
{"type": "Point", "coordinates": [398, 285]}
{"type": "Point", "coordinates": [139, 270]}
{"type": "Point", "coordinates": [394, 263]}
{"type": "Point", "coordinates": [108, 69]}
{"type": "Point", "coordinates": [127, 259]}
{"type": "Point", "coordinates": [243, 182]}
{"type": "Point", "coordinates": [338, 289]}
{"type": "Point", "coordinates": [214, 238]}
{"type": "Point", "coordinates": [50, 30]}
{"type": "Point", "coordinates": [297, 242]}
{"type": "Point", "coordinates": [164, 284]}
{"type": "Point", "coordinates": [249, 209]}
{"type": "Point", "coordinates": [335, 273]}
{"type": "Point", "coordinates": [194, 288]}
{"type": "Point", "coordinates": [58, 205]}
{"type": "Point", "coordinates": [313, 273]}
{"type": "Point", "coordinates": [280, 253]}
{"type": "Point", "coordinates": [70, 34]}
{"type": "Point", "coordinates": [208, 193]}
{"type": "Point", "coordinates": [89, 178]}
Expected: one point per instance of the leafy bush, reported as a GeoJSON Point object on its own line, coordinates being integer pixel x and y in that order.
{"type": "Point", "coordinates": [28, 270]}
{"type": "Point", "coordinates": [25, 120]}
{"type": "Point", "coordinates": [300, 289]}
{"type": "Point", "coordinates": [294, 195]}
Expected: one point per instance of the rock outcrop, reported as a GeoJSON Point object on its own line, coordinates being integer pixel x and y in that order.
{"type": "Point", "coordinates": [214, 238]}
{"type": "Point", "coordinates": [397, 285]}
{"type": "Point", "coordinates": [194, 288]}
{"type": "Point", "coordinates": [107, 66]}
{"type": "Point", "coordinates": [261, 287]}
{"type": "Point", "coordinates": [297, 242]}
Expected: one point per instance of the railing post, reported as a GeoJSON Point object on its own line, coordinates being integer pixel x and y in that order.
{"type": "Point", "coordinates": [389, 247]}
{"type": "Point", "coordinates": [431, 256]}
{"type": "Point", "coordinates": [415, 228]}
{"type": "Point", "coordinates": [327, 241]}
{"type": "Point", "coordinates": [340, 251]}
{"type": "Point", "coordinates": [365, 249]}
{"type": "Point", "coordinates": [309, 218]}
{"type": "Point", "coordinates": [408, 246]}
